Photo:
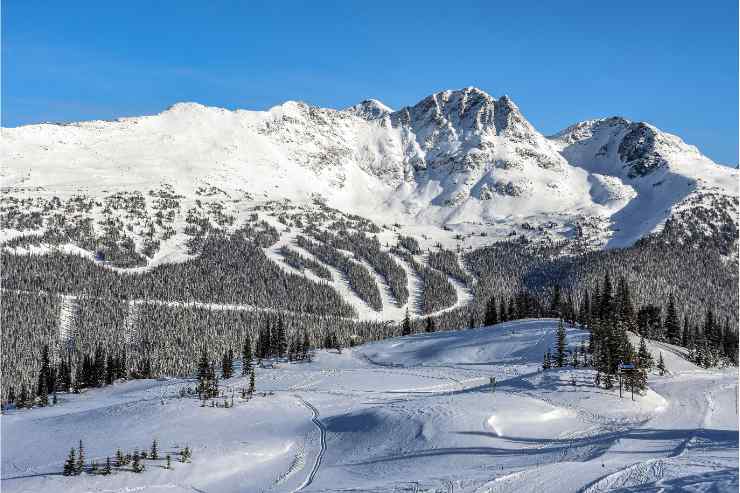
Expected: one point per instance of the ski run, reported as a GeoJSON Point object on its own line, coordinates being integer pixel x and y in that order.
{"type": "Point", "coordinates": [414, 413]}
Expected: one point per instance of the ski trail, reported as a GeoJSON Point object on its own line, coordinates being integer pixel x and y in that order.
{"type": "Point", "coordinates": [320, 456]}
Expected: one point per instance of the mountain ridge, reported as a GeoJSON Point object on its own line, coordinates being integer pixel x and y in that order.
{"type": "Point", "coordinates": [456, 156]}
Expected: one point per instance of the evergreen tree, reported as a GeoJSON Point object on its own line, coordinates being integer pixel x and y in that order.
{"type": "Point", "coordinates": [70, 465]}
{"type": "Point", "coordinates": [546, 361]}
{"type": "Point", "coordinates": [46, 378]}
{"type": "Point", "coordinates": [136, 464]}
{"type": "Point", "coordinates": [109, 369]}
{"type": "Point", "coordinates": [661, 364]}
{"type": "Point", "coordinates": [97, 375]}
{"type": "Point", "coordinates": [281, 343]}
{"type": "Point", "coordinates": [227, 364]}
{"type": "Point", "coordinates": [306, 347]}
{"type": "Point", "coordinates": [406, 325]}
{"type": "Point", "coordinates": [472, 322]}
{"type": "Point", "coordinates": [247, 356]}
{"type": "Point", "coordinates": [154, 453]}
{"type": "Point", "coordinates": [429, 325]}
{"type": "Point", "coordinates": [169, 462]}
{"type": "Point", "coordinates": [584, 312]}
{"type": "Point", "coordinates": [671, 329]}
{"type": "Point", "coordinates": [80, 460]}
{"type": "Point", "coordinates": [626, 308]}
{"type": "Point", "coordinates": [22, 400]}
{"type": "Point", "coordinates": [120, 460]}
{"type": "Point", "coordinates": [43, 393]}
{"type": "Point", "coordinates": [560, 345]}
{"type": "Point", "coordinates": [107, 467]}
{"type": "Point", "coordinates": [491, 317]}
{"type": "Point", "coordinates": [686, 335]}
{"type": "Point", "coordinates": [606, 305]}
{"type": "Point", "coordinates": [556, 304]}
{"type": "Point", "coordinates": [251, 382]}
{"type": "Point", "coordinates": [503, 314]}
{"type": "Point", "coordinates": [711, 329]}
{"type": "Point", "coordinates": [512, 313]}
{"type": "Point", "coordinates": [644, 358]}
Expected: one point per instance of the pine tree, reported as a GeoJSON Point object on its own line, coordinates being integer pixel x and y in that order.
{"type": "Point", "coordinates": [80, 460]}
{"type": "Point", "coordinates": [306, 347]}
{"type": "Point", "coordinates": [546, 361]}
{"type": "Point", "coordinates": [686, 335]}
{"type": "Point", "coordinates": [429, 325]}
{"type": "Point", "coordinates": [203, 367]}
{"type": "Point", "coordinates": [251, 382]}
{"type": "Point", "coordinates": [169, 462]}
{"type": "Point", "coordinates": [45, 380]}
{"type": "Point", "coordinates": [661, 365]}
{"type": "Point", "coordinates": [109, 370]}
{"type": "Point", "coordinates": [136, 464]}
{"type": "Point", "coordinates": [644, 358]}
{"type": "Point", "coordinates": [107, 467]}
{"type": "Point", "coordinates": [120, 460]}
{"type": "Point", "coordinates": [227, 364]}
{"type": "Point", "coordinates": [70, 465]}
{"type": "Point", "coordinates": [556, 303]}
{"type": "Point", "coordinates": [606, 302]}
{"type": "Point", "coordinates": [406, 325]}
{"type": "Point", "coordinates": [491, 317]}
{"type": "Point", "coordinates": [154, 453]}
{"type": "Point", "coordinates": [512, 312]}
{"type": "Point", "coordinates": [472, 323]}
{"type": "Point", "coordinates": [584, 312]}
{"type": "Point", "coordinates": [671, 328]}
{"type": "Point", "coordinates": [502, 313]}
{"type": "Point", "coordinates": [281, 341]}
{"type": "Point", "coordinates": [247, 356]}
{"type": "Point", "coordinates": [185, 454]}
{"type": "Point", "coordinates": [560, 345]}
{"type": "Point", "coordinates": [712, 331]}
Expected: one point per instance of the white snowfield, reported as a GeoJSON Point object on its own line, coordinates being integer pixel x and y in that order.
{"type": "Point", "coordinates": [457, 157]}
{"type": "Point", "coordinates": [407, 414]}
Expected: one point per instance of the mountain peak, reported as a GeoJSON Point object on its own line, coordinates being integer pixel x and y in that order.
{"type": "Point", "coordinates": [369, 109]}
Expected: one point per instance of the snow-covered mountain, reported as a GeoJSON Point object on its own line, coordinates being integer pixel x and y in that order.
{"type": "Point", "coordinates": [456, 157]}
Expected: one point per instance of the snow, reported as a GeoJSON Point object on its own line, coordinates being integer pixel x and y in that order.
{"type": "Point", "coordinates": [413, 412]}
{"type": "Point", "coordinates": [456, 157]}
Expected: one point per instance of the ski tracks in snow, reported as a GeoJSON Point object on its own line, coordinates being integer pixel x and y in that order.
{"type": "Point", "coordinates": [320, 456]}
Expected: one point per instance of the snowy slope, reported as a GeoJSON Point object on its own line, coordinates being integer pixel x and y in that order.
{"type": "Point", "coordinates": [459, 157]}
{"type": "Point", "coordinates": [405, 414]}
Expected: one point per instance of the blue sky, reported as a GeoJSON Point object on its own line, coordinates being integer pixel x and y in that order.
{"type": "Point", "coordinates": [673, 64]}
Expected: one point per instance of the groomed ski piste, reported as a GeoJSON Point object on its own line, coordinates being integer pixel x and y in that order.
{"type": "Point", "coordinates": [414, 413]}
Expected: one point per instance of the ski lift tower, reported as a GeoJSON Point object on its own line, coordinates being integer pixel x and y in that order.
{"type": "Point", "coordinates": [626, 369]}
